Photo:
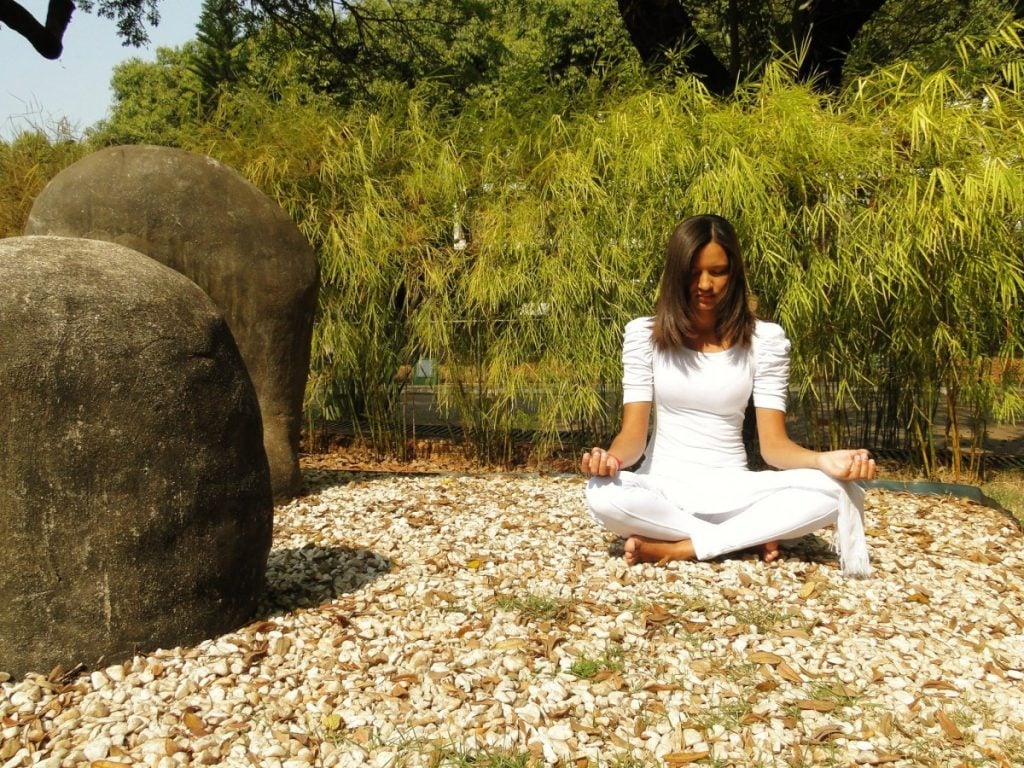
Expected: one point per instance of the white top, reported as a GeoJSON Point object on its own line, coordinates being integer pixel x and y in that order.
{"type": "Point", "coordinates": [700, 397]}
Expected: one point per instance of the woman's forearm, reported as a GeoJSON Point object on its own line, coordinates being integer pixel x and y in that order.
{"type": "Point", "coordinates": [629, 445]}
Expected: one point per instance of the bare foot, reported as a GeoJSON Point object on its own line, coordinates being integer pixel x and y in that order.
{"type": "Point", "coordinates": [640, 549]}
{"type": "Point", "coordinates": [770, 551]}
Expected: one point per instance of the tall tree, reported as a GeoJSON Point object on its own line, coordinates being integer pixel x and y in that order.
{"type": "Point", "coordinates": [218, 58]}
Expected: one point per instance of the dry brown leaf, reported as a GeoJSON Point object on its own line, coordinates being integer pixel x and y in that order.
{"type": "Point", "coordinates": [106, 764]}
{"type": "Point", "coordinates": [950, 728]}
{"type": "Point", "coordinates": [657, 687]}
{"type": "Point", "coordinates": [1016, 619]}
{"type": "Point", "coordinates": [808, 589]}
{"type": "Point", "coordinates": [658, 614]}
{"type": "Point", "coordinates": [510, 645]}
{"type": "Point", "coordinates": [884, 757]}
{"type": "Point", "coordinates": [918, 597]}
{"type": "Point", "coordinates": [786, 672]}
{"type": "Point", "coordinates": [824, 733]}
{"type": "Point", "coordinates": [794, 632]}
{"type": "Point", "coordinates": [939, 684]}
{"type": "Point", "coordinates": [885, 725]}
{"type": "Point", "coordinates": [194, 724]}
{"type": "Point", "coordinates": [765, 657]}
{"type": "Point", "coordinates": [682, 758]}
{"type": "Point", "coordinates": [816, 705]}
{"type": "Point", "coordinates": [639, 726]}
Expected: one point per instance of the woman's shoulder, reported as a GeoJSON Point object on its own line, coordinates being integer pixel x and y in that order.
{"type": "Point", "coordinates": [640, 324]}
{"type": "Point", "coordinates": [766, 331]}
{"type": "Point", "coordinates": [769, 341]}
{"type": "Point", "coordinates": [636, 341]}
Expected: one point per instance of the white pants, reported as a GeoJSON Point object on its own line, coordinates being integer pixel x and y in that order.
{"type": "Point", "coordinates": [720, 510]}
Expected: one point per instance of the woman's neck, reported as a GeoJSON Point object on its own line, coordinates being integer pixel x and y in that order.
{"type": "Point", "coordinates": [705, 337]}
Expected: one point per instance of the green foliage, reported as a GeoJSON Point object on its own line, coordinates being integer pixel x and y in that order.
{"type": "Point", "coordinates": [450, 50]}
{"type": "Point", "coordinates": [882, 229]}
{"type": "Point", "coordinates": [131, 16]}
{"type": "Point", "coordinates": [924, 32]}
{"type": "Point", "coordinates": [510, 240]}
{"type": "Point", "coordinates": [157, 102]}
{"type": "Point", "coordinates": [27, 163]}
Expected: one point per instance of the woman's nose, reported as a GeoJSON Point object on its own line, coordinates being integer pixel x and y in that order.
{"type": "Point", "coordinates": [704, 281]}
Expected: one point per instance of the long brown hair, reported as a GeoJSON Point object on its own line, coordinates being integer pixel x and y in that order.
{"type": "Point", "coordinates": [673, 312]}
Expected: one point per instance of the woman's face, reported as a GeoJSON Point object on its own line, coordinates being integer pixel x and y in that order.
{"type": "Point", "coordinates": [709, 277]}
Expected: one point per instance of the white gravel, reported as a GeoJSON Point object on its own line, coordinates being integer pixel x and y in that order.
{"type": "Point", "coordinates": [438, 620]}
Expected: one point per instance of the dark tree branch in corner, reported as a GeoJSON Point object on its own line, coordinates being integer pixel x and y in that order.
{"type": "Point", "coordinates": [657, 27]}
{"type": "Point", "coordinates": [48, 38]}
{"type": "Point", "coordinates": [829, 28]}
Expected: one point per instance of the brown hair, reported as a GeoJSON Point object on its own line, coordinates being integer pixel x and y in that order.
{"type": "Point", "coordinates": [673, 312]}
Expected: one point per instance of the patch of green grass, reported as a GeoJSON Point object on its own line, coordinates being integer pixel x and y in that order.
{"type": "Point", "coordinates": [728, 715]}
{"type": "Point", "coordinates": [837, 692]}
{"type": "Point", "coordinates": [763, 616]}
{"type": "Point", "coordinates": [1007, 488]}
{"type": "Point", "coordinates": [1013, 750]}
{"type": "Point", "coordinates": [455, 757]}
{"type": "Point", "coordinates": [332, 729]}
{"type": "Point", "coordinates": [536, 607]}
{"type": "Point", "coordinates": [585, 667]}
{"type": "Point", "coordinates": [630, 761]}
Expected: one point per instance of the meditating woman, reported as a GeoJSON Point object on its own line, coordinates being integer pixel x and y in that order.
{"type": "Point", "coordinates": [697, 361]}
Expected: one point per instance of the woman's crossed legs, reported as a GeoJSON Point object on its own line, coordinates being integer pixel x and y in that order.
{"type": "Point", "coordinates": [722, 511]}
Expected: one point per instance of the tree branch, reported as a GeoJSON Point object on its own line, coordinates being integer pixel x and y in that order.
{"type": "Point", "coordinates": [47, 39]}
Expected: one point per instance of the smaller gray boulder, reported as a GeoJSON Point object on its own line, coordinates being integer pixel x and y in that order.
{"type": "Point", "coordinates": [135, 497]}
{"type": "Point", "coordinates": [205, 220]}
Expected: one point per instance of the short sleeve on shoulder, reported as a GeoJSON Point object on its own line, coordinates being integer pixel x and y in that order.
{"type": "Point", "coordinates": [638, 362]}
{"type": "Point", "coordinates": [771, 366]}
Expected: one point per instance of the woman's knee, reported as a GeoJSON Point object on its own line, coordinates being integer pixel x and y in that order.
{"type": "Point", "coordinates": [597, 492]}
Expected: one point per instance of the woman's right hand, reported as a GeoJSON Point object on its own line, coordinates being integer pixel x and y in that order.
{"type": "Point", "coordinates": [597, 462]}
{"type": "Point", "coordinates": [855, 464]}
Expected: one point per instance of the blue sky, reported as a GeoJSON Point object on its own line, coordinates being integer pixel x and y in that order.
{"type": "Point", "coordinates": [38, 92]}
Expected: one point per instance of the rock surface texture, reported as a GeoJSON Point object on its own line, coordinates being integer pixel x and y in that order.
{"type": "Point", "coordinates": [206, 221]}
{"type": "Point", "coordinates": [135, 497]}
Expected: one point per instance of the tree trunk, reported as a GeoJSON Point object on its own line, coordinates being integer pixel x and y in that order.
{"type": "Point", "coordinates": [829, 27]}
{"type": "Point", "coordinates": [657, 27]}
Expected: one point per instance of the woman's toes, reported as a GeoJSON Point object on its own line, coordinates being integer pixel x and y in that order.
{"type": "Point", "coordinates": [770, 552]}
{"type": "Point", "coordinates": [631, 552]}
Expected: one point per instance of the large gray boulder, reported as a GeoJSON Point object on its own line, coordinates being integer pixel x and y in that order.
{"type": "Point", "coordinates": [135, 503]}
{"type": "Point", "coordinates": [206, 221]}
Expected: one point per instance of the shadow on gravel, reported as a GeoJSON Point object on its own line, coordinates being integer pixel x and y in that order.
{"type": "Point", "coordinates": [310, 575]}
{"type": "Point", "coordinates": [809, 549]}
{"type": "Point", "coordinates": [317, 480]}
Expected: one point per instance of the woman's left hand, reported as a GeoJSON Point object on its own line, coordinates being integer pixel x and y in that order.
{"type": "Point", "coordinates": [855, 464]}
